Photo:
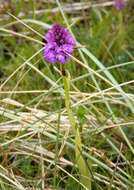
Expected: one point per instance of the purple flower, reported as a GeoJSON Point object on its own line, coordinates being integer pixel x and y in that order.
{"type": "Point", "coordinates": [120, 4]}
{"type": "Point", "coordinates": [59, 44]}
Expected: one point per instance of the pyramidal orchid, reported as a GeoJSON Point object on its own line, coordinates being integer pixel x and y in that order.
{"type": "Point", "coordinates": [120, 4]}
{"type": "Point", "coordinates": [60, 44]}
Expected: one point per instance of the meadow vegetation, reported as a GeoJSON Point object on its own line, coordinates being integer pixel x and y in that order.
{"type": "Point", "coordinates": [39, 149]}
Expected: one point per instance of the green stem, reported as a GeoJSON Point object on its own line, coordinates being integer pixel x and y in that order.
{"type": "Point", "coordinates": [83, 169]}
